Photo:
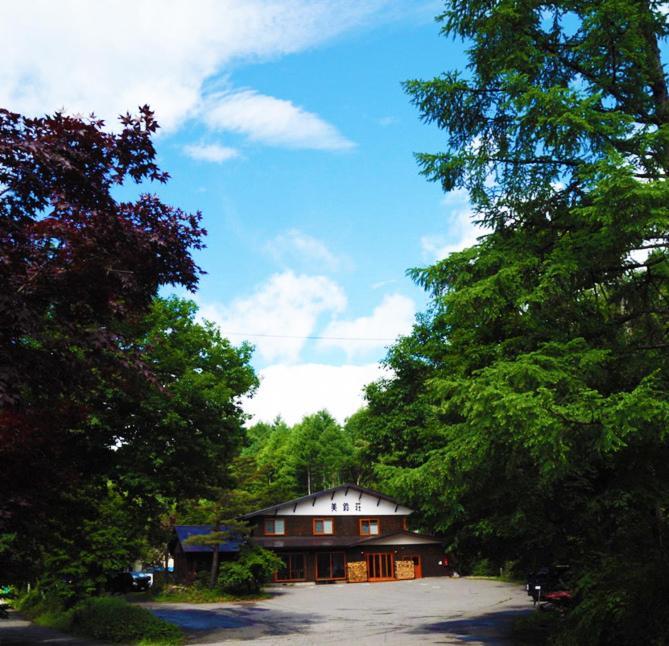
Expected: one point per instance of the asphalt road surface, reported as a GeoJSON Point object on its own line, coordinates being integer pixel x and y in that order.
{"type": "Point", "coordinates": [15, 631]}
{"type": "Point", "coordinates": [427, 611]}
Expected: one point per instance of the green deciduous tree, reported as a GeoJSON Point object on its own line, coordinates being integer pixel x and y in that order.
{"type": "Point", "coordinates": [528, 414]}
{"type": "Point", "coordinates": [176, 437]}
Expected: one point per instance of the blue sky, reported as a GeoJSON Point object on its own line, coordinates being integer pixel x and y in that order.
{"type": "Point", "coordinates": [285, 124]}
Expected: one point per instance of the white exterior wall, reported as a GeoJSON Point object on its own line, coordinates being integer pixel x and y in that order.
{"type": "Point", "coordinates": [355, 503]}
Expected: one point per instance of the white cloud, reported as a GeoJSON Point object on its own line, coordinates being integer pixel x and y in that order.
{"type": "Point", "coordinates": [298, 247]}
{"type": "Point", "coordinates": [383, 283]}
{"type": "Point", "coordinates": [294, 391]}
{"type": "Point", "coordinates": [287, 305]}
{"type": "Point", "coordinates": [110, 56]}
{"type": "Point", "coordinates": [394, 316]}
{"type": "Point", "coordinates": [387, 121]}
{"type": "Point", "coordinates": [462, 231]}
{"type": "Point", "coordinates": [211, 152]}
{"type": "Point", "coordinates": [272, 121]}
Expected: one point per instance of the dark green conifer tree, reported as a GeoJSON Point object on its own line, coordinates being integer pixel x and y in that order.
{"type": "Point", "coordinates": [529, 413]}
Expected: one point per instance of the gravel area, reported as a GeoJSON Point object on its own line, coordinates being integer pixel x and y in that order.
{"type": "Point", "coordinates": [426, 611]}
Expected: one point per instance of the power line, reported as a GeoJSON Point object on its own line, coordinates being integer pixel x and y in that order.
{"type": "Point", "coordinates": [315, 338]}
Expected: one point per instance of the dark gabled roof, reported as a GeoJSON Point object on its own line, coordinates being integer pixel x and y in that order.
{"type": "Point", "coordinates": [318, 494]}
{"type": "Point", "coordinates": [184, 531]}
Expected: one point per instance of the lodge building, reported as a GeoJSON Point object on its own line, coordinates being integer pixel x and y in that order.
{"type": "Point", "coordinates": [347, 533]}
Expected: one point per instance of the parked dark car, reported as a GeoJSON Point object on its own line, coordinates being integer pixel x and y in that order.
{"type": "Point", "coordinates": [545, 580]}
{"type": "Point", "coordinates": [123, 582]}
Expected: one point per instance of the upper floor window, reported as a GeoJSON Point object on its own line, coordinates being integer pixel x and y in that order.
{"type": "Point", "coordinates": [323, 526]}
{"type": "Point", "coordinates": [369, 527]}
{"type": "Point", "coordinates": [275, 526]}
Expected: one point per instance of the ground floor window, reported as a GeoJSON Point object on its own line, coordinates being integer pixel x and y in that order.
{"type": "Point", "coordinates": [330, 565]}
{"type": "Point", "coordinates": [293, 567]}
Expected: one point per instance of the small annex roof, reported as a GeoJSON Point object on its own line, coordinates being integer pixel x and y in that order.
{"type": "Point", "coordinates": [327, 493]}
{"type": "Point", "coordinates": [184, 531]}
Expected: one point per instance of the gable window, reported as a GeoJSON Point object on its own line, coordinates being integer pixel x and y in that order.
{"type": "Point", "coordinates": [323, 526]}
{"type": "Point", "coordinates": [275, 527]}
{"type": "Point", "coordinates": [369, 527]}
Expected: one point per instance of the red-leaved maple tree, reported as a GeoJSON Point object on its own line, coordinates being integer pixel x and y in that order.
{"type": "Point", "coordinates": [78, 267]}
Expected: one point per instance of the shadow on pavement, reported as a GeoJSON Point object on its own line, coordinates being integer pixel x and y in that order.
{"type": "Point", "coordinates": [242, 622]}
{"type": "Point", "coordinates": [17, 631]}
{"type": "Point", "coordinates": [488, 628]}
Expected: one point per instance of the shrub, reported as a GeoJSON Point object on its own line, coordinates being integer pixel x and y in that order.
{"type": "Point", "coordinates": [236, 578]}
{"type": "Point", "coordinates": [39, 601]}
{"type": "Point", "coordinates": [27, 601]}
{"type": "Point", "coordinates": [510, 571]}
{"type": "Point", "coordinates": [620, 602]}
{"type": "Point", "coordinates": [56, 619]}
{"type": "Point", "coordinates": [189, 594]}
{"type": "Point", "coordinates": [202, 578]}
{"type": "Point", "coordinates": [483, 567]}
{"type": "Point", "coordinates": [115, 620]}
{"type": "Point", "coordinates": [247, 574]}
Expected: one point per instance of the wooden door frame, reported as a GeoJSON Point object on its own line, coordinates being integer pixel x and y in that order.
{"type": "Point", "coordinates": [420, 564]}
{"type": "Point", "coordinates": [304, 567]}
{"type": "Point", "coordinates": [392, 566]}
{"type": "Point", "coordinates": [330, 552]}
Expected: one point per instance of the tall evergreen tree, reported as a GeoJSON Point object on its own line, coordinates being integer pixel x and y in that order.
{"type": "Point", "coordinates": [531, 401]}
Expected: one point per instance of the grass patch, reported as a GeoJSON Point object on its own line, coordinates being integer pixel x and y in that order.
{"type": "Point", "coordinates": [193, 594]}
{"type": "Point", "coordinates": [109, 619]}
{"type": "Point", "coordinates": [54, 619]}
{"type": "Point", "coordinates": [502, 579]}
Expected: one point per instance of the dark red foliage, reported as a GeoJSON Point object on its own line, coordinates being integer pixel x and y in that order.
{"type": "Point", "coordinates": [77, 268]}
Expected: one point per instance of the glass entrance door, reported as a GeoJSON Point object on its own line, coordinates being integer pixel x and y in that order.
{"type": "Point", "coordinates": [330, 565]}
{"type": "Point", "coordinates": [380, 566]}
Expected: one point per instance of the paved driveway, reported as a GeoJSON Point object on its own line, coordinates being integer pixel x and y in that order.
{"type": "Point", "coordinates": [15, 631]}
{"type": "Point", "coordinates": [429, 611]}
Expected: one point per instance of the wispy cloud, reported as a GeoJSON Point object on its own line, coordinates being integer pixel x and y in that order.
{"type": "Point", "coordinates": [462, 231]}
{"type": "Point", "coordinates": [297, 248]}
{"type": "Point", "coordinates": [387, 121]}
{"type": "Point", "coordinates": [391, 318]}
{"type": "Point", "coordinates": [211, 152]}
{"type": "Point", "coordinates": [285, 309]}
{"type": "Point", "coordinates": [272, 121]}
{"type": "Point", "coordinates": [110, 56]}
{"type": "Point", "coordinates": [383, 283]}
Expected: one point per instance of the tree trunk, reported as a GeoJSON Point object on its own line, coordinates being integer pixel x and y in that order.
{"type": "Point", "coordinates": [308, 481]}
{"type": "Point", "coordinates": [214, 567]}
{"type": "Point", "coordinates": [213, 577]}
